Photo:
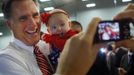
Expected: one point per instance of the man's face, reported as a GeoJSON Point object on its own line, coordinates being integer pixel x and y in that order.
{"type": "Point", "coordinates": [25, 21]}
{"type": "Point", "coordinates": [76, 28]}
{"type": "Point", "coordinates": [58, 24]}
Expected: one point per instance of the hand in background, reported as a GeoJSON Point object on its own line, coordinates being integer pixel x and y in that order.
{"type": "Point", "coordinates": [127, 13]}
{"type": "Point", "coordinates": [122, 71]}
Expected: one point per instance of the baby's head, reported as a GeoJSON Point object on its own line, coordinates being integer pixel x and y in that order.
{"type": "Point", "coordinates": [57, 21]}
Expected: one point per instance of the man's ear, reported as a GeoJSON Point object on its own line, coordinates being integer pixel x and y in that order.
{"type": "Point", "coordinates": [8, 23]}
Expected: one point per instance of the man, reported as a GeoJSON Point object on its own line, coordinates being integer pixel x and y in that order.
{"type": "Point", "coordinates": [111, 59]}
{"type": "Point", "coordinates": [126, 61]}
{"type": "Point", "coordinates": [23, 18]}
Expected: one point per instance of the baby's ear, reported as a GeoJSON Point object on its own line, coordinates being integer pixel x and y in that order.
{"type": "Point", "coordinates": [48, 30]}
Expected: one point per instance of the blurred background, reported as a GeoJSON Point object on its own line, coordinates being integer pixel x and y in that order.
{"type": "Point", "coordinates": [79, 10]}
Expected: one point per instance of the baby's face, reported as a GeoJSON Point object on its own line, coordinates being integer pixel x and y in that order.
{"type": "Point", "coordinates": [58, 24]}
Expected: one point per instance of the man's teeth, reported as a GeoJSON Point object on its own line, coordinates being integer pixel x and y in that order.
{"type": "Point", "coordinates": [32, 31]}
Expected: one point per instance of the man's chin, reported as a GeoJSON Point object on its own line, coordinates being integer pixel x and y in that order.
{"type": "Point", "coordinates": [32, 42]}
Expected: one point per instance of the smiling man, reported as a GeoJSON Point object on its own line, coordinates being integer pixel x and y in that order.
{"type": "Point", "coordinates": [23, 18]}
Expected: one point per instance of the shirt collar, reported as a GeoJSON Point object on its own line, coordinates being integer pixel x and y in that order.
{"type": "Point", "coordinates": [130, 53]}
{"type": "Point", "coordinates": [23, 46]}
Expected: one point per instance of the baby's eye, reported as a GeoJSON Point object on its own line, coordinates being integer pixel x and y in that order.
{"type": "Point", "coordinates": [54, 27]}
{"type": "Point", "coordinates": [62, 24]}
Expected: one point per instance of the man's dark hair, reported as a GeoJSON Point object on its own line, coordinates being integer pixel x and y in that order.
{"type": "Point", "coordinates": [6, 7]}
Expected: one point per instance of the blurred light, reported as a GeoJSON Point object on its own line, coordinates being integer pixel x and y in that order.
{"type": "Point", "coordinates": [1, 33]}
{"type": "Point", "coordinates": [44, 0]}
{"type": "Point", "coordinates": [115, 1]}
{"type": "Point", "coordinates": [103, 50]}
{"type": "Point", "coordinates": [126, 0]}
{"type": "Point", "coordinates": [1, 14]}
{"type": "Point", "coordinates": [48, 8]}
{"type": "Point", "coordinates": [91, 5]}
{"type": "Point", "coordinates": [84, 0]}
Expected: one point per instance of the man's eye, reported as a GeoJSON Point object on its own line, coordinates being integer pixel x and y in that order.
{"type": "Point", "coordinates": [23, 18]}
{"type": "Point", "coordinates": [36, 15]}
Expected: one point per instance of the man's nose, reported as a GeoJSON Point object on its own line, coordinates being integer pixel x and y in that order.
{"type": "Point", "coordinates": [32, 23]}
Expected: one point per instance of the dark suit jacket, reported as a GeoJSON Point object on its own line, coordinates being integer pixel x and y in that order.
{"type": "Point", "coordinates": [111, 62]}
{"type": "Point", "coordinates": [131, 70]}
{"type": "Point", "coordinates": [119, 55]}
{"type": "Point", "coordinates": [124, 62]}
{"type": "Point", "coordinates": [128, 67]}
{"type": "Point", "coordinates": [99, 67]}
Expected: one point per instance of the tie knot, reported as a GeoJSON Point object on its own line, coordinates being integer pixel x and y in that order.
{"type": "Point", "coordinates": [36, 49]}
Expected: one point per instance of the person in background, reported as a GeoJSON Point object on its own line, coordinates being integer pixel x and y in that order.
{"type": "Point", "coordinates": [75, 25]}
{"type": "Point", "coordinates": [58, 25]}
{"type": "Point", "coordinates": [105, 61]}
{"type": "Point", "coordinates": [108, 33]}
{"type": "Point", "coordinates": [111, 59]}
{"type": "Point", "coordinates": [99, 66]}
{"type": "Point", "coordinates": [126, 62]}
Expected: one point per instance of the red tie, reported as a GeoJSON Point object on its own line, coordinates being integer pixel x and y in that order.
{"type": "Point", "coordinates": [42, 62]}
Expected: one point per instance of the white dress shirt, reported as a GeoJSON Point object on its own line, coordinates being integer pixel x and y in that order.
{"type": "Point", "coordinates": [18, 59]}
{"type": "Point", "coordinates": [129, 55]}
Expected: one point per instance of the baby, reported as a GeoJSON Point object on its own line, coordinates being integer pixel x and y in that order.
{"type": "Point", "coordinates": [58, 25]}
